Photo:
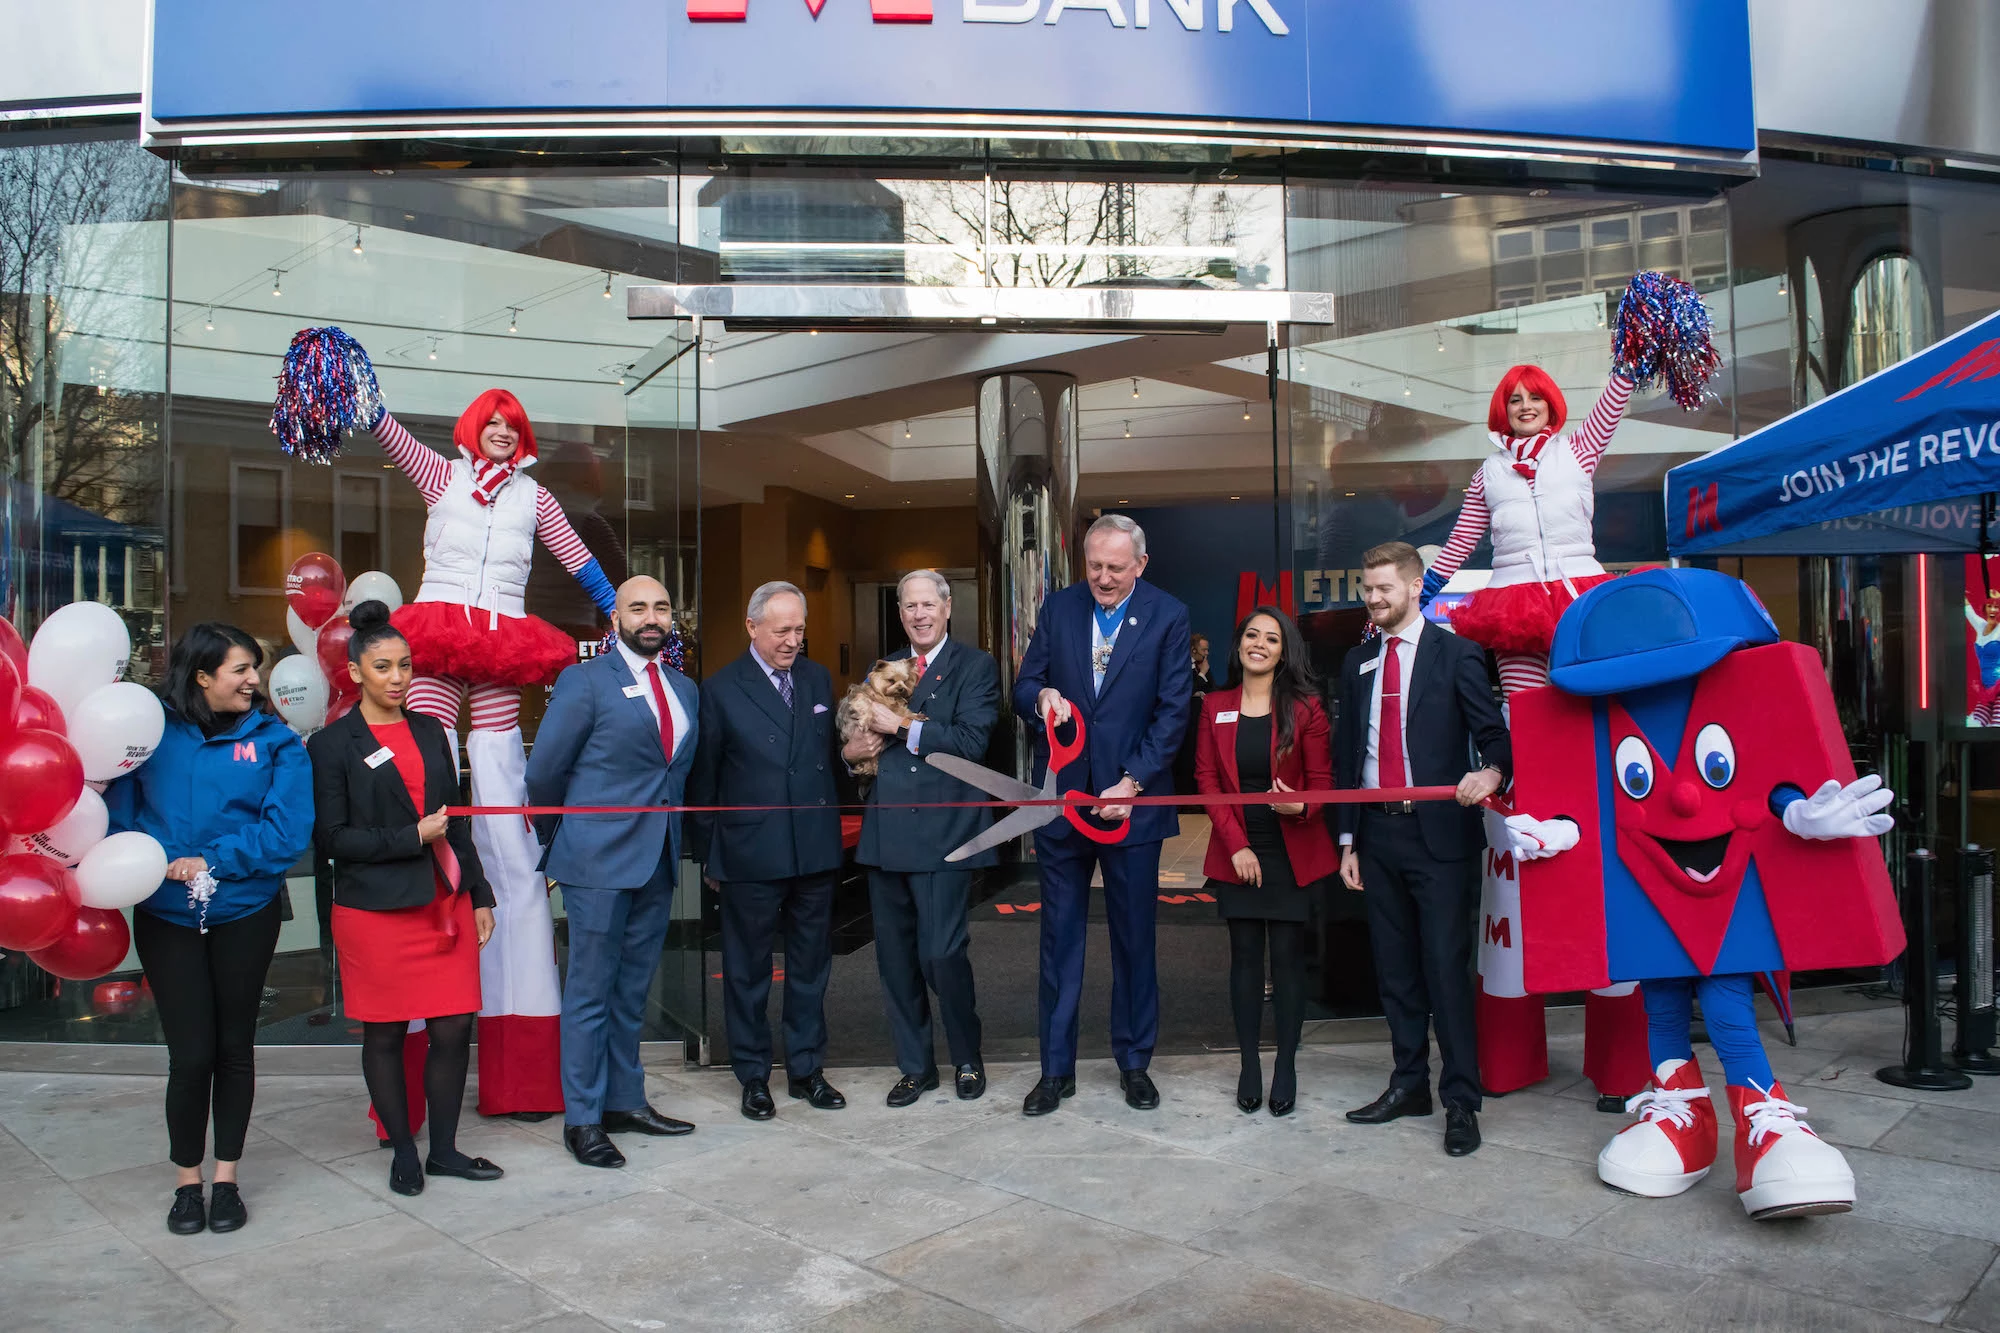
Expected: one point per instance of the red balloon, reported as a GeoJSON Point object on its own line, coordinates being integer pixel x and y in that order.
{"type": "Point", "coordinates": [39, 709]}
{"type": "Point", "coordinates": [39, 901]}
{"type": "Point", "coordinates": [93, 945]}
{"type": "Point", "coordinates": [314, 588]}
{"type": "Point", "coordinates": [116, 998]}
{"type": "Point", "coordinates": [12, 684]}
{"type": "Point", "coordinates": [332, 648]}
{"type": "Point", "coordinates": [12, 647]}
{"type": "Point", "coordinates": [40, 779]}
{"type": "Point", "coordinates": [335, 710]}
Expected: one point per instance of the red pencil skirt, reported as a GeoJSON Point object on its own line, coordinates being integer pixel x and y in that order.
{"type": "Point", "coordinates": [415, 962]}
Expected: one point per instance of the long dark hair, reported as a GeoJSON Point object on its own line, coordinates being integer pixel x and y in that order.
{"type": "Point", "coordinates": [204, 648]}
{"type": "Point", "coordinates": [1292, 684]}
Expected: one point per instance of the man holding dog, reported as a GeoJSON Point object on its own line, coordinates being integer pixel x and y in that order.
{"type": "Point", "coordinates": [919, 902]}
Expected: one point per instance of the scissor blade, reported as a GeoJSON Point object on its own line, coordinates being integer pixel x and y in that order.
{"type": "Point", "coordinates": [1013, 826]}
{"type": "Point", "coordinates": [986, 779]}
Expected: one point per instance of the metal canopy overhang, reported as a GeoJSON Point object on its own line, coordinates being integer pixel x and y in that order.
{"type": "Point", "coordinates": [991, 309]}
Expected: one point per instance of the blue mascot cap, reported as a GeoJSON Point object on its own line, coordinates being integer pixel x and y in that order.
{"type": "Point", "coordinates": [1653, 627]}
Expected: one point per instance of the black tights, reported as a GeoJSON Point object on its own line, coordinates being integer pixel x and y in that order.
{"type": "Point", "coordinates": [1288, 997]}
{"type": "Point", "coordinates": [444, 1083]}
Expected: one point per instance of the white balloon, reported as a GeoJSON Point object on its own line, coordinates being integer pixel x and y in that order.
{"type": "Point", "coordinates": [74, 834]}
{"type": "Point", "coordinates": [78, 649]}
{"type": "Point", "coordinates": [304, 637]}
{"type": "Point", "coordinates": [124, 869]}
{"type": "Point", "coordinates": [375, 586]}
{"type": "Point", "coordinates": [115, 729]}
{"type": "Point", "coordinates": [298, 688]}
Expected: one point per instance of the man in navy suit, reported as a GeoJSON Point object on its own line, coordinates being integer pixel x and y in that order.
{"type": "Point", "coordinates": [1114, 650]}
{"type": "Point", "coordinates": [767, 739]}
{"type": "Point", "coordinates": [918, 901]}
{"type": "Point", "coordinates": [619, 730]}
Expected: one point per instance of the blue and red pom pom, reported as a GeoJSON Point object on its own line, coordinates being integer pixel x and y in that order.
{"type": "Point", "coordinates": [326, 389]}
{"type": "Point", "coordinates": [1662, 335]}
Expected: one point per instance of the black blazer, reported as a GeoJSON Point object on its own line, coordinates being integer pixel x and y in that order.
{"type": "Point", "coordinates": [960, 698]}
{"type": "Point", "coordinates": [1452, 726]}
{"type": "Point", "coordinates": [749, 750]}
{"type": "Point", "coordinates": [364, 823]}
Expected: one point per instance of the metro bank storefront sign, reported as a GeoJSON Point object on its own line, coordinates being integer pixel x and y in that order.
{"type": "Point", "coordinates": [1673, 74]}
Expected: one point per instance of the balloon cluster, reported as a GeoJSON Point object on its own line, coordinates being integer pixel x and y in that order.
{"type": "Point", "coordinates": [326, 389]}
{"type": "Point", "coordinates": [1662, 335]}
{"type": "Point", "coordinates": [313, 689]}
{"type": "Point", "coordinates": [67, 719]}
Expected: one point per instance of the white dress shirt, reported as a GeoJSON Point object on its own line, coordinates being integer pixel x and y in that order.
{"type": "Point", "coordinates": [930, 659]}
{"type": "Point", "coordinates": [1404, 643]}
{"type": "Point", "coordinates": [637, 666]}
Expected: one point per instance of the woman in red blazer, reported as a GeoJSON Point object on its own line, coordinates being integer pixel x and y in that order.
{"type": "Point", "coordinates": [1266, 732]}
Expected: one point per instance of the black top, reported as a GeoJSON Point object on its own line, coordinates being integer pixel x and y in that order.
{"type": "Point", "coordinates": [1278, 898]}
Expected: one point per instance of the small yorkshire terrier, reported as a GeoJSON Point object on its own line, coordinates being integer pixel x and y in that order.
{"type": "Point", "coordinates": [889, 683]}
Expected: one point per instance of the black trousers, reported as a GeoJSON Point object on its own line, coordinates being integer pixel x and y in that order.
{"type": "Point", "coordinates": [754, 915]}
{"type": "Point", "coordinates": [1420, 915]}
{"type": "Point", "coordinates": [207, 989]}
{"type": "Point", "coordinates": [922, 945]}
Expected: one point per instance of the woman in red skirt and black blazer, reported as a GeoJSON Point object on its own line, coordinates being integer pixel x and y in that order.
{"type": "Point", "coordinates": [411, 907]}
{"type": "Point", "coordinates": [1266, 732]}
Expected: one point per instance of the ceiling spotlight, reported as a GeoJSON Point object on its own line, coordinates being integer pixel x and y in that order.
{"type": "Point", "coordinates": [848, 496]}
{"type": "Point", "coordinates": [434, 349]}
{"type": "Point", "coordinates": [711, 354]}
{"type": "Point", "coordinates": [208, 321]}
{"type": "Point", "coordinates": [513, 319]}
{"type": "Point", "coordinates": [1406, 386]}
{"type": "Point", "coordinates": [277, 282]}
{"type": "Point", "coordinates": [607, 284]}
{"type": "Point", "coordinates": [1440, 337]}
{"type": "Point", "coordinates": [1236, 497]}
{"type": "Point", "coordinates": [1128, 430]}
{"type": "Point", "coordinates": [357, 240]}
{"type": "Point", "coordinates": [1246, 410]}
{"type": "Point", "coordinates": [906, 430]}
{"type": "Point", "coordinates": [813, 332]}
{"type": "Point", "coordinates": [1781, 284]}
{"type": "Point", "coordinates": [1135, 388]}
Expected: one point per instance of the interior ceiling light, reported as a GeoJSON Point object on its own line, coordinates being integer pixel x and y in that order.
{"type": "Point", "coordinates": [1246, 410]}
{"type": "Point", "coordinates": [1440, 337]}
{"type": "Point", "coordinates": [607, 284]}
{"type": "Point", "coordinates": [277, 282]}
{"type": "Point", "coordinates": [1128, 430]}
{"type": "Point", "coordinates": [906, 430]}
{"type": "Point", "coordinates": [1135, 388]}
{"type": "Point", "coordinates": [357, 240]}
{"type": "Point", "coordinates": [434, 349]}
{"type": "Point", "coordinates": [513, 319]}
{"type": "Point", "coordinates": [208, 322]}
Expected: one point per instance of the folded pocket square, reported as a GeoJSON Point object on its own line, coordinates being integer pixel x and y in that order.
{"type": "Point", "coordinates": [819, 708]}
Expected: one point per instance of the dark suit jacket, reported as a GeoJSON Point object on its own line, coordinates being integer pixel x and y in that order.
{"type": "Point", "coordinates": [1136, 722]}
{"type": "Point", "coordinates": [1452, 726]}
{"type": "Point", "coordinates": [754, 752]}
{"type": "Point", "coordinates": [598, 745]}
{"type": "Point", "coordinates": [363, 820]}
{"type": "Point", "coordinates": [960, 699]}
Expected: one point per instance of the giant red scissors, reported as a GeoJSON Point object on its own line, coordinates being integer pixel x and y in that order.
{"type": "Point", "coordinates": [1030, 817]}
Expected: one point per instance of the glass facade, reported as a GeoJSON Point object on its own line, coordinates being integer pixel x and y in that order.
{"type": "Point", "coordinates": [143, 313]}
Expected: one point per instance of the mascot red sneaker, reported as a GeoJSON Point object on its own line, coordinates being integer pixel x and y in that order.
{"type": "Point", "coordinates": [1672, 1144]}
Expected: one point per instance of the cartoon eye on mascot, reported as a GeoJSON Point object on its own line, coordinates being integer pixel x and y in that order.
{"type": "Point", "coordinates": [1689, 818]}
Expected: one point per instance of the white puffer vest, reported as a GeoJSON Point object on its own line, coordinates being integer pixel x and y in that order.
{"type": "Point", "coordinates": [478, 555]}
{"type": "Point", "coordinates": [1541, 532]}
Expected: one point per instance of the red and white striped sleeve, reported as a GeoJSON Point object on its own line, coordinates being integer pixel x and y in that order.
{"type": "Point", "coordinates": [553, 527]}
{"type": "Point", "coordinates": [429, 469]}
{"type": "Point", "coordinates": [1473, 519]}
{"type": "Point", "coordinates": [1594, 436]}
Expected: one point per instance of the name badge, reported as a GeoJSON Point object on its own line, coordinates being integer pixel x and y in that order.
{"type": "Point", "coordinates": [1229, 716]}
{"type": "Point", "coordinates": [1367, 667]}
{"type": "Point", "coordinates": [380, 757]}
{"type": "Point", "coordinates": [634, 691]}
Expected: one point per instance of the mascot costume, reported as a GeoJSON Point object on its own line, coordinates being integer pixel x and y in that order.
{"type": "Point", "coordinates": [1688, 819]}
{"type": "Point", "coordinates": [472, 642]}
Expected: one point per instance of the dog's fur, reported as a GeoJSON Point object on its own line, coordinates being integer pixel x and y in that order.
{"type": "Point", "coordinates": [889, 683]}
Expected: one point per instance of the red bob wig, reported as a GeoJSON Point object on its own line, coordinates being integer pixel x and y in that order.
{"type": "Point", "coordinates": [466, 433]}
{"type": "Point", "coordinates": [1536, 381]}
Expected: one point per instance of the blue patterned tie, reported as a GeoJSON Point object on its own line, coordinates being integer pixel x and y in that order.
{"type": "Point", "coordinates": [784, 679]}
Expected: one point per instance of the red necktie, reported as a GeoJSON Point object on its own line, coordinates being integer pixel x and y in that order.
{"type": "Point", "coordinates": [666, 716]}
{"type": "Point", "coordinates": [1390, 768]}
{"type": "Point", "coordinates": [921, 661]}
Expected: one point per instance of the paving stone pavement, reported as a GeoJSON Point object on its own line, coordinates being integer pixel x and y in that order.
{"type": "Point", "coordinates": [967, 1216]}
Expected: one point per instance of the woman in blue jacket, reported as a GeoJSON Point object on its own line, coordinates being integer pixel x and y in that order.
{"type": "Point", "coordinates": [229, 795]}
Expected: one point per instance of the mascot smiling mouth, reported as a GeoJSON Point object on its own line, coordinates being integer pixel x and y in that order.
{"type": "Point", "coordinates": [1687, 867]}
{"type": "Point", "coordinates": [1700, 861]}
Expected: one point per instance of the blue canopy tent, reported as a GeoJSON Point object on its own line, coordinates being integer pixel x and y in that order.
{"type": "Point", "coordinates": [1895, 463]}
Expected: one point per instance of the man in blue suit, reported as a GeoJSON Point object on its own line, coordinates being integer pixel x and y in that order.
{"type": "Point", "coordinates": [1115, 651]}
{"type": "Point", "coordinates": [619, 730]}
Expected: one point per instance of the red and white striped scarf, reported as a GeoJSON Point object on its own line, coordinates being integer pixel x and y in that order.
{"type": "Point", "coordinates": [1526, 452]}
{"type": "Point", "coordinates": [488, 476]}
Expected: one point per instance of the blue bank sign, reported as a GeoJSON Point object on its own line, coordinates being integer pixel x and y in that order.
{"type": "Point", "coordinates": [1657, 73]}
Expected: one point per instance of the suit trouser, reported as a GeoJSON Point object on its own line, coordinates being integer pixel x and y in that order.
{"type": "Point", "coordinates": [1420, 916]}
{"type": "Point", "coordinates": [615, 937]}
{"type": "Point", "coordinates": [921, 945]}
{"type": "Point", "coordinates": [1131, 904]}
{"type": "Point", "coordinates": [753, 913]}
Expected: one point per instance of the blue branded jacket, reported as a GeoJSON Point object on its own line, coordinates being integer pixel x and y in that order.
{"type": "Point", "coordinates": [241, 800]}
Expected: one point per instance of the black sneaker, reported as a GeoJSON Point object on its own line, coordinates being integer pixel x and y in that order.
{"type": "Point", "coordinates": [225, 1207]}
{"type": "Point", "coordinates": [188, 1215]}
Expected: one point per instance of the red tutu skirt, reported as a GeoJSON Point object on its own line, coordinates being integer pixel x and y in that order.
{"type": "Point", "coordinates": [415, 962]}
{"type": "Point", "coordinates": [447, 639]}
{"type": "Point", "coordinates": [1519, 618]}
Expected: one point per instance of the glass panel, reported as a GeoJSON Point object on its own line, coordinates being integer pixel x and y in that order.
{"type": "Point", "coordinates": [1889, 317]}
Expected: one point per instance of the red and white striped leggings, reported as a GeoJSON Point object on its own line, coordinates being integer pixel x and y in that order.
{"type": "Point", "coordinates": [494, 707]}
{"type": "Point", "coordinates": [1522, 671]}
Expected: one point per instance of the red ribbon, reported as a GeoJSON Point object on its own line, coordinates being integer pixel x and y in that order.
{"type": "Point", "coordinates": [1345, 796]}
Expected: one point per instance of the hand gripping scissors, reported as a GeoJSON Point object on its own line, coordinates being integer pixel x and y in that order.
{"type": "Point", "coordinates": [1032, 817]}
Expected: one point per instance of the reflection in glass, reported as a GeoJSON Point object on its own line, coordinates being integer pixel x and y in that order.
{"type": "Point", "coordinates": [1889, 317]}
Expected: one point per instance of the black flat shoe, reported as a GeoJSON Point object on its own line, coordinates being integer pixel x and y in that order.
{"type": "Point", "coordinates": [591, 1146]}
{"type": "Point", "coordinates": [1392, 1104]}
{"type": "Point", "coordinates": [757, 1103]}
{"type": "Point", "coordinates": [816, 1092]}
{"type": "Point", "coordinates": [1140, 1094]}
{"type": "Point", "coordinates": [645, 1120]}
{"type": "Point", "coordinates": [225, 1207]}
{"type": "Point", "coordinates": [970, 1082]}
{"type": "Point", "coordinates": [189, 1214]}
{"type": "Point", "coordinates": [473, 1168]}
{"type": "Point", "coordinates": [1610, 1104]}
{"type": "Point", "coordinates": [1461, 1130]}
{"type": "Point", "coordinates": [1249, 1090]}
{"type": "Point", "coordinates": [912, 1086]}
{"type": "Point", "coordinates": [408, 1182]}
{"type": "Point", "coordinates": [1048, 1094]}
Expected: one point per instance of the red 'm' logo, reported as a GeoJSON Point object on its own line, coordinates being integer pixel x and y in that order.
{"type": "Point", "coordinates": [1981, 363]}
{"type": "Point", "coordinates": [1702, 509]}
{"type": "Point", "coordinates": [1252, 592]}
{"type": "Point", "coordinates": [738, 11]}
{"type": "Point", "coordinates": [1500, 932]}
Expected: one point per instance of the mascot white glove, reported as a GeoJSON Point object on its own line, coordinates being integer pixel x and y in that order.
{"type": "Point", "coordinates": [1531, 839]}
{"type": "Point", "coordinates": [1834, 811]}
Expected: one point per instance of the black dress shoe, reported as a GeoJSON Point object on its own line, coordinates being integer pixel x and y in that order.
{"type": "Point", "coordinates": [591, 1146]}
{"type": "Point", "coordinates": [1391, 1104]}
{"type": "Point", "coordinates": [1610, 1103]}
{"type": "Point", "coordinates": [816, 1091]}
{"type": "Point", "coordinates": [970, 1082]}
{"type": "Point", "coordinates": [225, 1207]}
{"type": "Point", "coordinates": [757, 1103]}
{"type": "Point", "coordinates": [1140, 1094]}
{"type": "Point", "coordinates": [1461, 1130]}
{"type": "Point", "coordinates": [472, 1168]}
{"type": "Point", "coordinates": [1047, 1095]}
{"type": "Point", "coordinates": [189, 1214]}
{"type": "Point", "coordinates": [406, 1180]}
{"type": "Point", "coordinates": [912, 1086]}
{"type": "Point", "coordinates": [525, 1117]}
{"type": "Point", "coordinates": [645, 1120]}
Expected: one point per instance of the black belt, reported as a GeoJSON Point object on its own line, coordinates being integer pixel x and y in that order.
{"type": "Point", "coordinates": [1390, 807]}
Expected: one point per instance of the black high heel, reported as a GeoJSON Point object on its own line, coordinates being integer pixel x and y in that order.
{"type": "Point", "coordinates": [1249, 1091]}
{"type": "Point", "coordinates": [1284, 1089]}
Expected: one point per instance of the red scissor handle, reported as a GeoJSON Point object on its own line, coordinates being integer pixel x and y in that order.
{"type": "Point", "coordinates": [1060, 757]}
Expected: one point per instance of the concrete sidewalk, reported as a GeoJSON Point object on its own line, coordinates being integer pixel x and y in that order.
{"type": "Point", "coordinates": [967, 1216]}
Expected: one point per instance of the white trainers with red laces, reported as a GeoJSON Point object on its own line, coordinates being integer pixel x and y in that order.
{"type": "Point", "coordinates": [1672, 1144]}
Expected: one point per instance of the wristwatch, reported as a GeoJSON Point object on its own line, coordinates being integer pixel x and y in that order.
{"type": "Point", "coordinates": [1137, 787]}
